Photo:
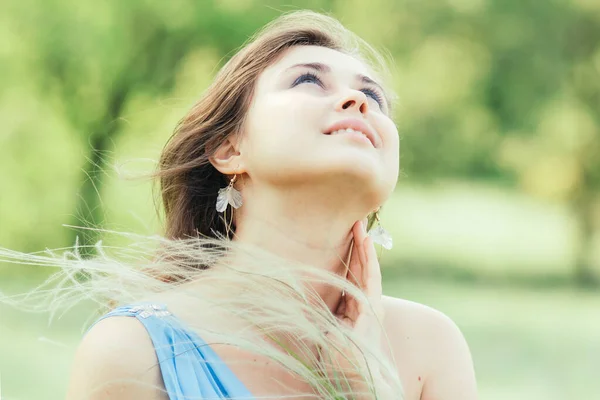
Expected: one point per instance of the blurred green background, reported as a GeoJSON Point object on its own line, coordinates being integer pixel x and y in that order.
{"type": "Point", "coordinates": [496, 218]}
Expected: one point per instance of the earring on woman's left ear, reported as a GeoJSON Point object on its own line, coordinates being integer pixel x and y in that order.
{"type": "Point", "coordinates": [379, 235]}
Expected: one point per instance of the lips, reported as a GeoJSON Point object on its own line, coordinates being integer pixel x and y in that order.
{"type": "Point", "coordinates": [354, 124]}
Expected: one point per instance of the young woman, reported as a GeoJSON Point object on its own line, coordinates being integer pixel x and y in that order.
{"type": "Point", "coordinates": [267, 284]}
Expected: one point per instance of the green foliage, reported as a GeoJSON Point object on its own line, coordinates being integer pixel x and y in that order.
{"type": "Point", "coordinates": [502, 92]}
{"type": "Point", "coordinates": [493, 93]}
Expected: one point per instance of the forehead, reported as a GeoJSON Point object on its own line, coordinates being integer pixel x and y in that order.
{"type": "Point", "coordinates": [339, 62]}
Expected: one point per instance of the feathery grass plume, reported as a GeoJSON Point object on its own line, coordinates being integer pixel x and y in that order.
{"type": "Point", "coordinates": [265, 303]}
{"type": "Point", "coordinates": [228, 292]}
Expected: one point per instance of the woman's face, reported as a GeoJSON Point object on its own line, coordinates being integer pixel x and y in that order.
{"type": "Point", "coordinates": [298, 101]}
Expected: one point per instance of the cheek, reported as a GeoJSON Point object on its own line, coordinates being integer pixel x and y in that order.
{"type": "Point", "coordinates": [389, 136]}
{"type": "Point", "coordinates": [276, 131]}
{"type": "Point", "coordinates": [293, 110]}
{"type": "Point", "coordinates": [391, 144]}
{"type": "Point", "coordinates": [283, 119]}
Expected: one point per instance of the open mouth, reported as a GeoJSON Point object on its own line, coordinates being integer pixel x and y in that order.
{"type": "Point", "coordinates": [353, 132]}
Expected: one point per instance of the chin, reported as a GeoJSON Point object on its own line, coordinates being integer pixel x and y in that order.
{"type": "Point", "coordinates": [345, 174]}
{"type": "Point", "coordinates": [364, 179]}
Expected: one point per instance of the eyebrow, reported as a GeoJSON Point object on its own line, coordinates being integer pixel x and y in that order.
{"type": "Point", "coordinates": [324, 68]}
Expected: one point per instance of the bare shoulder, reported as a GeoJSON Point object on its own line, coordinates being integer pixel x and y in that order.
{"type": "Point", "coordinates": [435, 359]}
{"type": "Point", "coordinates": [116, 360]}
{"type": "Point", "coordinates": [410, 317]}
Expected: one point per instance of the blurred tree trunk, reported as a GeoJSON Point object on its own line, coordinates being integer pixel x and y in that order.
{"type": "Point", "coordinates": [584, 203]}
{"type": "Point", "coordinates": [92, 62]}
{"type": "Point", "coordinates": [89, 207]}
{"type": "Point", "coordinates": [585, 274]}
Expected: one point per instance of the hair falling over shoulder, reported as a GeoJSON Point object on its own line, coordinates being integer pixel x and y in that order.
{"type": "Point", "coordinates": [266, 291]}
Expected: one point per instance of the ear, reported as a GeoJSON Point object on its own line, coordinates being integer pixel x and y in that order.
{"type": "Point", "coordinates": [227, 159]}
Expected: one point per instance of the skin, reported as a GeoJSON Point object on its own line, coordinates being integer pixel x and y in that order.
{"type": "Point", "coordinates": [305, 197]}
{"type": "Point", "coordinates": [299, 185]}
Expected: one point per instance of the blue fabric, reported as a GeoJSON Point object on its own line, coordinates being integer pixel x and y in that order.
{"type": "Point", "coordinates": [190, 368]}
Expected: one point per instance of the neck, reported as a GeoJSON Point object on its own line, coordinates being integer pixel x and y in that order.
{"type": "Point", "coordinates": [305, 225]}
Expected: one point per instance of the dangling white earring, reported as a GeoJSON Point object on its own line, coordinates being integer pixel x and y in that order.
{"type": "Point", "coordinates": [229, 195]}
{"type": "Point", "coordinates": [380, 235]}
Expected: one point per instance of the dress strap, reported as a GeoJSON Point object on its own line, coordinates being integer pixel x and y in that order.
{"type": "Point", "coordinates": [189, 366]}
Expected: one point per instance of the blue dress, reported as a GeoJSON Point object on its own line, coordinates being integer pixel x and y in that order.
{"type": "Point", "coordinates": [190, 368]}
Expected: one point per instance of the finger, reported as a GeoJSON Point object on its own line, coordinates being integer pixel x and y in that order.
{"type": "Point", "coordinates": [363, 235]}
{"type": "Point", "coordinates": [354, 259]}
{"type": "Point", "coordinates": [372, 277]}
{"type": "Point", "coordinates": [357, 271]}
{"type": "Point", "coordinates": [361, 269]}
{"type": "Point", "coordinates": [347, 321]}
{"type": "Point", "coordinates": [341, 308]}
{"type": "Point", "coordinates": [355, 268]}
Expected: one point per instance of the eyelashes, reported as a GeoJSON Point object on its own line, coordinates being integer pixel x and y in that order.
{"type": "Point", "coordinates": [308, 77]}
{"type": "Point", "coordinates": [313, 78]}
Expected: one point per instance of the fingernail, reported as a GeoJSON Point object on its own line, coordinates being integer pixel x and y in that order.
{"type": "Point", "coordinates": [365, 222]}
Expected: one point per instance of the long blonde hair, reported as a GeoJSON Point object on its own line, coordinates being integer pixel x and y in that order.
{"type": "Point", "coordinates": [197, 242]}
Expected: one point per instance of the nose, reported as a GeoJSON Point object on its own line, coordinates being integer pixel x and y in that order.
{"type": "Point", "coordinates": [353, 99]}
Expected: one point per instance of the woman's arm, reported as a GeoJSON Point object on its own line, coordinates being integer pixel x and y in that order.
{"type": "Point", "coordinates": [116, 360]}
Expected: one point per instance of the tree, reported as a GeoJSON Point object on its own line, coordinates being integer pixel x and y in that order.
{"type": "Point", "coordinates": [94, 56]}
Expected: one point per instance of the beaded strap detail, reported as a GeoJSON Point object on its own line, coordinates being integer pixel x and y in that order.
{"type": "Point", "coordinates": [147, 310]}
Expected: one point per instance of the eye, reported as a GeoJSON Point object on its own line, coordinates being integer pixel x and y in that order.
{"type": "Point", "coordinates": [374, 95]}
{"type": "Point", "coordinates": [307, 77]}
